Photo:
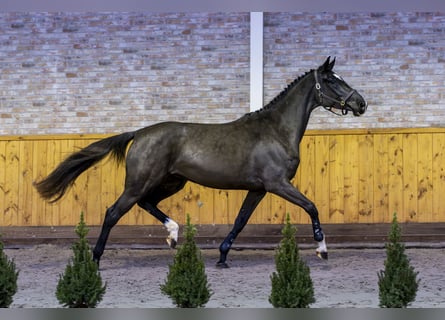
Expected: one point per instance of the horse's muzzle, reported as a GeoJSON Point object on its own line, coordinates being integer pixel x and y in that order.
{"type": "Point", "coordinates": [362, 106]}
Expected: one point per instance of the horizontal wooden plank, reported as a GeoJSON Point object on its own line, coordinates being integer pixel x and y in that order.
{"type": "Point", "coordinates": [253, 235]}
{"type": "Point", "coordinates": [308, 132]}
{"type": "Point", "coordinates": [56, 137]}
{"type": "Point", "coordinates": [374, 131]}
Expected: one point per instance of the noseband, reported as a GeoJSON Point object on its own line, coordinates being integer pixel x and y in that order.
{"type": "Point", "coordinates": [342, 103]}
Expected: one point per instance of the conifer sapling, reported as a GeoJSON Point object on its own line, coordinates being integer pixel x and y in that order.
{"type": "Point", "coordinates": [81, 284]}
{"type": "Point", "coordinates": [186, 282]}
{"type": "Point", "coordinates": [8, 279]}
{"type": "Point", "coordinates": [398, 281]}
{"type": "Point", "coordinates": [291, 283]}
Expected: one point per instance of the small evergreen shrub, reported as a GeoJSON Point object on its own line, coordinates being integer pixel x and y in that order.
{"type": "Point", "coordinates": [8, 279]}
{"type": "Point", "coordinates": [291, 283]}
{"type": "Point", "coordinates": [81, 284]}
{"type": "Point", "coordinates": [186, 282]}
{"type": "Point", "coordinates": [398, 281]}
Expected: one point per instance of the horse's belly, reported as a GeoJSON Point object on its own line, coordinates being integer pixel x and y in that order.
{"type": "Point", "coordinates": [229, 176]}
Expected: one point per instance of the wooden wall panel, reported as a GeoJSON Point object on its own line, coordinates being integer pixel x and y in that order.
{"type": "Point", "coordinates": [11, 212]}
{"type": "Point", "coordinates": [366, 178]}
{"type": "Point", "coordinates": [438, 177]}
{"type": "Point", "coordinates": [322, 173]}
{"type": "Point", "coordinates": [424, 177]}
{"type": "Point", "coordinates": [395, 174]}
{"type": "Point", "coordinates": [409, 177]}
{"type": "Point", "coordinates": [353, 176]}
{"type": "Point", "coordinates": [306, 174]}
{"type": "Point", "coordinates": [380, 187]}
{"type": "Point", "coordinates": [3, 184]}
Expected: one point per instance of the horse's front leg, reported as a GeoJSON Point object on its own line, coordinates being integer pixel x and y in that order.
{"type": "Point", "coordinates": [287, 191]}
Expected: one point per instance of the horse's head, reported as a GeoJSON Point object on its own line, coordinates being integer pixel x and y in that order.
{"type": "Point", "coordinates": [334, 93]}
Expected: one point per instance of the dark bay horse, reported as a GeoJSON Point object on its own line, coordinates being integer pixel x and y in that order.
{"type": "Point", "coordinates": [258, 152]}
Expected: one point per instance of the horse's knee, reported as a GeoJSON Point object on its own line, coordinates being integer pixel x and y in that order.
{"type": "Point", "coordinates": [312, 210]}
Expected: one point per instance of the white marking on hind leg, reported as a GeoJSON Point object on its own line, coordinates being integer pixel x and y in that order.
{"type": "Point", "coordinates": [322, 249]}
{"type": "Point", "coordinates": [172, 228]}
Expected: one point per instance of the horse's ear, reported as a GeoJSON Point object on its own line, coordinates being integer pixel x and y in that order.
{"type": "Point", "coordinates": [327, 65]}
{"type": "Point", "coordinates": [331, 65]}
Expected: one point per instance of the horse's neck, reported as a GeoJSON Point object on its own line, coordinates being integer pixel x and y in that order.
{"type": "Point", "coordinates": [295, 110]}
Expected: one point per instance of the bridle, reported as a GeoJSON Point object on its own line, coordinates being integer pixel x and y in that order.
{"type": "Point", "coordinates": [342, 103]}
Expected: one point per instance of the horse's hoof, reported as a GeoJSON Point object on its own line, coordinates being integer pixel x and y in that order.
{"type": "Point", "coordinates": [322, 255]}
{"type": "Point", "coordinates": [171, 242]}
{"type": "Point", "coordinates": [222, 265]}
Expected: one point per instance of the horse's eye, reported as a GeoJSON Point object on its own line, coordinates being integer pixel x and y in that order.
{"type": "Point", "coordinates": [330, 80]}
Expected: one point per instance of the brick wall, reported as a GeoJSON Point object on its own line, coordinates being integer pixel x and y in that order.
{"type": "Point", "coordinates": [396, 60]}
{"type": "Point", "coordinates": [113, 72]}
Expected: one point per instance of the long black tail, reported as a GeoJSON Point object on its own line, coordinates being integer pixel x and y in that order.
{"type": "Point", "coordinates": [58, 182]}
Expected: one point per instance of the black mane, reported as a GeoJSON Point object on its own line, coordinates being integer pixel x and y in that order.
{"type": "Point", "coordinates": [282, 94]}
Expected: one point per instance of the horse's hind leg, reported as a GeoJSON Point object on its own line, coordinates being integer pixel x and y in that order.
{"type": "Point", "coordinates": [112, 216]}
{"type": "Point", "coordinates": [171, 226]}
{"type": "Point", "coordinates": [150, 202]}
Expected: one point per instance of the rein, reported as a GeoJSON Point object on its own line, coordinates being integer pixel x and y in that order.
{"type": "Point", "coordinates": [342, 104]}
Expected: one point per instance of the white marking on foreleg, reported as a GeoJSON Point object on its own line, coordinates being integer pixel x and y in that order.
{"type": "Point", "coordinates": [172, 228]}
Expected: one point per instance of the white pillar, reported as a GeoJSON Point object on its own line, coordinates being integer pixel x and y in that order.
{"type": "Point", "coordinates": [256, 60]}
